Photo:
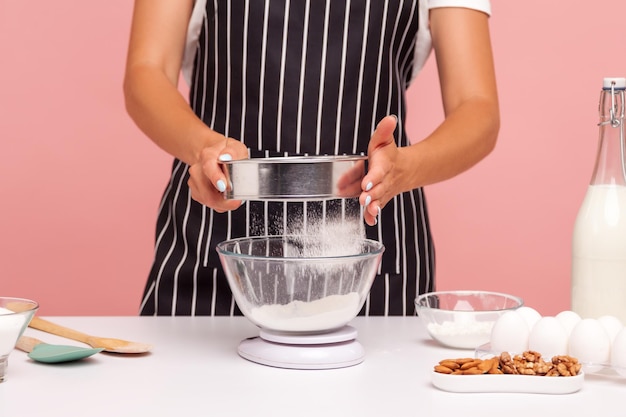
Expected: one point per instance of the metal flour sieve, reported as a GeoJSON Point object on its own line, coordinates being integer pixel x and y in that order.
{"type": "Point", "coordinates": [295, 177]}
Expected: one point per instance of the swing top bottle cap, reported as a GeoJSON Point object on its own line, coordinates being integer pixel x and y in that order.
{"type": "Point", "coordinates": [619, 83]}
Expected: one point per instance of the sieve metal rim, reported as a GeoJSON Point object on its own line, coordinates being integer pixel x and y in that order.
{"type": "Point", "coordinates": [311, 177]}
{"type": "Point", "coordinates": [296, 159]}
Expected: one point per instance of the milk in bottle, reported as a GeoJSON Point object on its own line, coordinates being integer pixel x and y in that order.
{"type": "Point", "coordinates": [598, 285]}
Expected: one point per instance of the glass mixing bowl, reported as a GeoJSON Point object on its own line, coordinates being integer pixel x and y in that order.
{"type": "Point", "coordinates": [299, 284]}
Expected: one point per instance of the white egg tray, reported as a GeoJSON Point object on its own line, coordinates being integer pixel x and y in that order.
{"type": "Point", "coordinates": [485, 351]}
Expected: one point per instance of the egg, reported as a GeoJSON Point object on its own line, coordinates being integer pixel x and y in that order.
{"type": "Point", "coordinates": [612, 325]}
{"type": "Point", "coordinates": [590, 344]}
{"type": "Point", "coordinates": [568, 319]}
{"type": "Point", "coordinates": [618, 352]}
{"type": "Point", "coordinates": [548, 337]}
{"type": "Point", "coordinates": [510, 333]}
{"type": "Point", "coordinates": [529, 314]}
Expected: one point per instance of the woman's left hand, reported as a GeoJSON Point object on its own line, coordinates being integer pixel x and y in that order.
{"type": "Point", "coordinates": [380, 183]}
{"type": "Point", "coordinates": [472, 120]}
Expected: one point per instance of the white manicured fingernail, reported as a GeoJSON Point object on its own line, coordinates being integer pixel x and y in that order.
{"type": "Point", "coordinates": [368, 200]}
{"type": "Point", "coordinates": [369, 186]}
{"type": "Point", "coordinates": [221, 186]}
{"type": "Point", "coordinates": [225, 157]}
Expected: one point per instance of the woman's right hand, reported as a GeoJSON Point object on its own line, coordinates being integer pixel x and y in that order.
{"type": "Point", "coordinates": [208, 179]}
{"type": "Point", "coordinates": [153, 100]}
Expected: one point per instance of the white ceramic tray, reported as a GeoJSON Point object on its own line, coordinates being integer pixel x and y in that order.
{"type": "Point", "coordinates": [530, 384]}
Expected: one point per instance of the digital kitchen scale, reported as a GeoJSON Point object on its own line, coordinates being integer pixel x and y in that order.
{"type": "Point", "coordinates": [329, 350]}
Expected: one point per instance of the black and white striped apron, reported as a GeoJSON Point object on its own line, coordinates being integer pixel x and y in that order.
{"type": "Point", "coordinates": [292, 77]}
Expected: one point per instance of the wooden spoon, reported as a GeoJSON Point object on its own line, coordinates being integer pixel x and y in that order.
{"type": "Point", "coordinates": [108, 344]}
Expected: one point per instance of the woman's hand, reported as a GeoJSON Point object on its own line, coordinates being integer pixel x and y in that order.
{"type": "Point", "coordinates": [469, 131]}
{"type": "Point", "coordinates": [380, 184]}
{"type": "Point", "coordinates": [155, 52]}
{"type": "Point", "coordinates": [208, 179]}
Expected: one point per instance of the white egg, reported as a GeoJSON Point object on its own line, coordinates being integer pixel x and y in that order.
{"type": "Point", "coordinates": [529, 314]}
{"type": "Point", "coordinates": [548, 337]}
{"type": "Point", "coordinates": [612, 325]}
{"type": "Point", "coordinates": [568, 319]}
{"type": "Point", "coordinates": [618, 352]}
{"type": "Point", "coordinates": [509, 333]}
{"type": "Point", "coordinates": [590, 344]}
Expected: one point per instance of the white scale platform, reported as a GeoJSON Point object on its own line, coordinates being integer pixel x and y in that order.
{"type": "Point", "coordinates": [331, 350]}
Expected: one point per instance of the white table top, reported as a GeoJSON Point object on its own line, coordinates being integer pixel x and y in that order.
{"type": "Point", "coordinates": [194, 369]}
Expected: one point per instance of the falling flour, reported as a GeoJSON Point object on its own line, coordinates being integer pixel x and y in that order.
{"type": "Point", "coordinates": [328, 238]}
{"type": "Point", "coordinates": [337, 301]}
{"type": "Point", "coordinates": [300, 316]}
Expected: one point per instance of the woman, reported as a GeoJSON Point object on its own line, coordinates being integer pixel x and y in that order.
{"type": "Point", "coordinates": [289, 77]}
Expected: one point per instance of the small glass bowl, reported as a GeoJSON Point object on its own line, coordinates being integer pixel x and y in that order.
{"type": "Point", "coordinates": [463, 319]}
{"type": "Point", "coordinates": [15, 315]}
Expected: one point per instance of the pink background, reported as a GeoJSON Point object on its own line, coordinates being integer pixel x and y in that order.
{"type": "Point", "coordinates": [80, 185]}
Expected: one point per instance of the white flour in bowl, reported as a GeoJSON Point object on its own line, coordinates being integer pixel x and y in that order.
{"type": "Point", "coordinates": [301, 316]}
{"type": "Point", "coordinates": [10, 326]}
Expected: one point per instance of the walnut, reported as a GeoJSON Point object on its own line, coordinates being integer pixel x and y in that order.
{"type": "Point", "coordinates": [542, 368]}
{"type": "Point", "coordinates": [531, 363]}
{"type": "Point", "coordinates": [566, 365]}
{"type": "Point", "coordinates": [531, 356]}
{"type": "Point", "coordinates": [506, 364]}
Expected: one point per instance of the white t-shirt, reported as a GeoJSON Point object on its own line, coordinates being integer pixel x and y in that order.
{"type": "Point", "coordinates": [423, 46]}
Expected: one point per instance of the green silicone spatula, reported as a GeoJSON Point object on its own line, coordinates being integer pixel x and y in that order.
{"type": "Point", "coordinates": [44, 352]}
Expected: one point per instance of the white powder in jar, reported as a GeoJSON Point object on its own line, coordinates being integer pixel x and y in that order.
{"type": "Point", "coordinates": [10, 326]}
{"type": "Point", "coordinates": [300, 316]}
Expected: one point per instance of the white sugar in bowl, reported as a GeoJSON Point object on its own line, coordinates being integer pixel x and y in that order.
{"type": "Point", "coordinates": [463, 319]}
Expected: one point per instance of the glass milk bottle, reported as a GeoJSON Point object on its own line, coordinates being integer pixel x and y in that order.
{"type": "Point", "coordinates": [599, 239]}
